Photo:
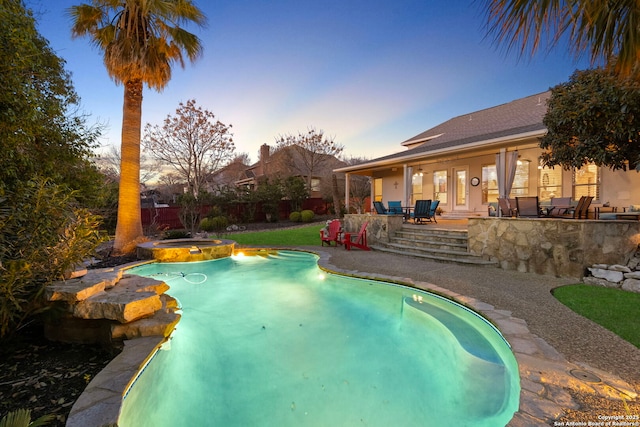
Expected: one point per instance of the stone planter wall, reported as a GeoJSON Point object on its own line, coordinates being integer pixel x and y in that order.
{"type": "Point", "coordinates": [559, 247]}
{"type": "Point", "coordinates": [380, 228]}
{"type": "Point", "coordinates": [625, 277]}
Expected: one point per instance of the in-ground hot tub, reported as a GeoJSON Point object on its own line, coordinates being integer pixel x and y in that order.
{"type": "Point", "coordinates": [184, 250]}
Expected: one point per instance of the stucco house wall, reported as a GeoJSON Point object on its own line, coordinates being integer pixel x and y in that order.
{"type": "Point", "coordinates": [471, 141]}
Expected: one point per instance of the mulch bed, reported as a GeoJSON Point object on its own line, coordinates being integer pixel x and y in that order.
{"type": "Point", "coordinates": [44, 376]}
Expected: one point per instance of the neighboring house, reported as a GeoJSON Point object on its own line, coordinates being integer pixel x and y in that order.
{"type": "Point", "coordinates": [288, 162]}
{"type": "Point", "coordinates": [464, 163]}
{"type": "Point", "coordinates": [226, 176]}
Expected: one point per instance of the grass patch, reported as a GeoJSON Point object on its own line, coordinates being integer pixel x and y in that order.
{"type": "Point", "coordinates": [301, 236]}
{"type": "Point", "coordinates": [614, 309]}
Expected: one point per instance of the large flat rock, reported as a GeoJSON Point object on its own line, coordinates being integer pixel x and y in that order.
{"type": "Point", "coordinates": [131, 299]}
{"type": "Point", "coordinates": [82, 288]}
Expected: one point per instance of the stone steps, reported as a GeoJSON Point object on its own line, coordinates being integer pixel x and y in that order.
{"type": "Point", "coordinates": [111, 303]}
{"type": "Point", "coordinates": [442, 245]}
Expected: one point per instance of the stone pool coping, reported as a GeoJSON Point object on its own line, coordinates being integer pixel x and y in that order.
{"type": "Point", "coordinates": [545, 375]}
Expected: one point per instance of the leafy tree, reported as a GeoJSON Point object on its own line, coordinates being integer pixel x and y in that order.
{"type": "Point", "coordinates": [41, 132]}
{"type": "Point", "coordinates": [296, 191]}
{"type": "Point", "coordinates": [313, 149]}
{"type": "Point", "coordinates": [607, 29]}
{"type": "Point", "coordinates": [141, 41]}
{"type": "Point", "coordinates": [593, 118]}
{"type": "Point", "coordinates": [193, 142]}
{"type": "Point", "coordinates": [268, 194]}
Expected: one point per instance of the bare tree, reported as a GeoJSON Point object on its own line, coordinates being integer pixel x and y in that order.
{"type": "Point", "coordinates": [109, 164]}
{"type": "Point", "coordinates": [313, 149]}
{"type": "Point", "coordinates": [359, 186]}
{"type": "Point", "coordinates": [193, 142]}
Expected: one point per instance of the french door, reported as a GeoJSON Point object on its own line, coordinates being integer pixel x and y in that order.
{"type": "Point", "coordinates": [460, 189]}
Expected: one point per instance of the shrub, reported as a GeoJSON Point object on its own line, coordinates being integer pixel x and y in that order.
{"type": "Point", "coordinates": [176, 234]}
{"type": "Point", "coordinates": [295, 217]}
{"type": "Point", "coordinates": [43, 235]}
{"type": "Point", "coordinates": [307, 215]}
{"type": "Point", "coordinates": [216, 224]}
{"type": "Point", "coordinates": [206, 224]}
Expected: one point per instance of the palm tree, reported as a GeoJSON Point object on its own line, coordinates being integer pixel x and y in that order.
{"type": "Point", "coordinates": [141, 40]}
{"type": "Point", "coordinates": [606, 29]}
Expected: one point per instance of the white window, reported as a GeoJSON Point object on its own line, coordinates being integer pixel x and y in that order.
{"type": "Point", "coordinates": [440, 186]}
{"type": "Point", "coordinates": [377, 189]}
{"type": "Point", "coordinates": [586, 182]}
{"type": "Point", "coordinates": [416, 187]}
{"type": "Point", "coordinates": [549, 183]}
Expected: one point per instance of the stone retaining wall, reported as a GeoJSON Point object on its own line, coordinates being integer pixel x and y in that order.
{"type": "Point", "coordinates": [625, 277]}
{"type": "Point", "coordinates": [380, 228]}
{"type": "Point", "coordinates": [559, 247]}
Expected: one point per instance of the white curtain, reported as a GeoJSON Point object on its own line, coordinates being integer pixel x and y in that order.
{"type": "Point", "coordinates": [408, 185]}
{"type": "Point", "coordinates": [501, 172]}
{"type": "Point", "coordinates": [512, 164]}
{"type": "Point", "coordinates": [506, 164]}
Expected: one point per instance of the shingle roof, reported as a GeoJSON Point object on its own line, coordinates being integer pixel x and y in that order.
{"type": "Point", "coordinates": [513, 118]}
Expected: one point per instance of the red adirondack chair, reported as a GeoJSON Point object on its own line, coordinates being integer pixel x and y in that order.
{"type": "Point", "coordinates": [358, 240]}
{"type": "Point", "coordinates": [331, 234]}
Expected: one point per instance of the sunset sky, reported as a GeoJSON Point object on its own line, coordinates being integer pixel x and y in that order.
{"type": "Point", "coordinates": [369, 73]}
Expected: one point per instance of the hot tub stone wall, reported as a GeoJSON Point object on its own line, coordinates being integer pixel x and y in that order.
{"type": "Point", "coordinates": [558, 247]}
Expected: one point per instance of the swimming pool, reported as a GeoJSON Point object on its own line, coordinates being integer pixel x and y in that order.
{"type": "Point", "coordinates": [274, 341]}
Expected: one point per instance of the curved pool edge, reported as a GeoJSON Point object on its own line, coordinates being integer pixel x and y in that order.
{"type": "Point", "coordinates": [545, 375]}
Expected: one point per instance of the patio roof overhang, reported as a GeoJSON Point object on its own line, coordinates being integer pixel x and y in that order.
{"type": "Point", "coordinates": [485, 146]}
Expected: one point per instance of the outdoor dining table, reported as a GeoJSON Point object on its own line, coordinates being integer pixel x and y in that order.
{"type": "Point", "coordinates": [562, 209]}
{"type": "Point", "coordinates": [407, 212]}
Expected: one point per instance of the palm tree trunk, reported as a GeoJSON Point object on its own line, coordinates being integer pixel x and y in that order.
{"type": "Point", "coordinates": [129, 225]}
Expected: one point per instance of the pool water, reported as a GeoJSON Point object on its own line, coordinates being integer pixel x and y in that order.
{"type": "Point", "coordinates": [274, 341]}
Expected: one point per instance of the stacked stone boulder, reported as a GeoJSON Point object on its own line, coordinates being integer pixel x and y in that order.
{"type": "Point", "coordinates": [107, 306]}
{"type": "Point", "coordinates": [626, 277]}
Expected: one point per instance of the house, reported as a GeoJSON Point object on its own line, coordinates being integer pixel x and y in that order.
{"type": "Point", "coordinates": [291, 161]}
{"type": "Point", "coordinates": [465, 163]}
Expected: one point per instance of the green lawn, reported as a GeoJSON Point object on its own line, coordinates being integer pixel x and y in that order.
{"type": "Point", "coordinates": [614, 309]}
{"type": "Point", "coordinates": [301, 236]}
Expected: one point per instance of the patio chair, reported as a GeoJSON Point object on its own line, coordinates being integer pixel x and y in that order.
{"type": "Point", "coordinates": [433, 209]}
{"type": "Point", "coordinates": [506, 207]}
{"type": "Point", "coordinates": [357, 240]}
{"type": "Point", "coordinates": [528, 207]}
{"type": "Point", "coordinates": [395, 208]}
{"type": "Point", "coordinates": [582, 208]}
{"type": "Point", "coordinates": [422, 212]}
{"type": "Point", "coordinates": [559, 206]}
{"type": "Point", "coordinates": [331, 234]}
{"type": "Point", "coordinates": [380, 209]}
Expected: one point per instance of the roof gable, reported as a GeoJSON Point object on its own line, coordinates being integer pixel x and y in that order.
{"type": "Point", "coordinates": [521, 115]}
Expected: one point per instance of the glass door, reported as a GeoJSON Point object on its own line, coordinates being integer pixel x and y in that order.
{"type": "Point", "coordinates": [460, 190]}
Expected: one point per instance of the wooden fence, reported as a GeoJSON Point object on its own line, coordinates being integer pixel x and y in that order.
{"type": "Point", "coordinates": [168, 218]}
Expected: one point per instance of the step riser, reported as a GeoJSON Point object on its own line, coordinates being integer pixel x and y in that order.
{"type": "Point", "coordinates": [432, 238]}
{"type": "Point", "coordinates": [448, 246]}
{"type": "Point", "coordinates": [432, 252]}
{"type": "Point", "coordinates": [478, 262]}
{"type": "Point", "coordinates": [431, 245]}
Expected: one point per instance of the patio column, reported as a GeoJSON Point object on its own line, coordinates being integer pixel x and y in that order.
{"type": "Point", "coordinates": [408, 180]}
{"type": "Point", "coordinates": [347, 180]}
